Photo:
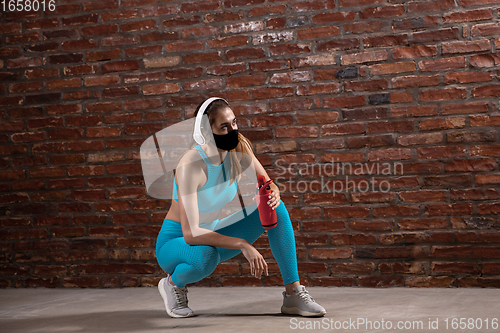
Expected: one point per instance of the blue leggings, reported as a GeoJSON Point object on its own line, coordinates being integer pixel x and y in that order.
{"type": "Point", "coordinates": [191, 263]}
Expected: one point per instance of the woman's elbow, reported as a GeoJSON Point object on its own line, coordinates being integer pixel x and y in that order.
{"type": "Point", "coordinates": [192, 236]}
{"type": "Point", "coordinates": [188, 238]}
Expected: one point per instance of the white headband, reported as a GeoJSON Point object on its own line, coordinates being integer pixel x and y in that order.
{"type": "Point", "coordinates": [197, 136]}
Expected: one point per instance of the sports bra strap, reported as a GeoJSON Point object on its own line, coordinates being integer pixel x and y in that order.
{"type": "Point", "coordinates": [203, 155]}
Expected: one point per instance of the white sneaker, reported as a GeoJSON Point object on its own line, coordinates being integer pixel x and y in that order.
{"type": "Point", "coordinates": [175, 299]}
{"type": "Point", "coordinates": [301, 303]}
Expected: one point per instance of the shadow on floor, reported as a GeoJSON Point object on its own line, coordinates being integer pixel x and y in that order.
{"type": "Point", "coordinates": [109, 322]}
{"type": "Point", "coordinates": [114, 321]}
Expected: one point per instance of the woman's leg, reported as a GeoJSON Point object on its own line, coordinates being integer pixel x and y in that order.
{"type": "Point", "coordinates": [189, 264]}
{"type": "Point", "coordinates": [281, 239]}
{"type": "Point", "coordinates": [186, 263]}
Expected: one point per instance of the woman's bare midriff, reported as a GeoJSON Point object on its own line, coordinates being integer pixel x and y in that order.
{"type": "Point", "coordinates": [173, 212]}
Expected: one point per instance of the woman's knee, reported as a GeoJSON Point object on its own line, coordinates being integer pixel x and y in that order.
{"type": "Point", "coordinates": [204, 259]}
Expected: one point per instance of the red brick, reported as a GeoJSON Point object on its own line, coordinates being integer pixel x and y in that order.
{"type": "Point", "coordinates": [185, 46]}
{"type": "Point", "coordinates": [81, 44]}
{"type": "Point", "coordinates": [63, 109]}
{"type": "Point", "coordinates": [98, 81]}
{"type": "Point", "coordinates": [104, 107]}
{"type": "Point", "coordinates": [203, 57]}
{"type": "Point", "coordinates": [230, 41]}
{"type": "Point", "coordinates": [100, 30]}
{"type": "Point", "coordinates": [271, 65]}
{"type": "Point", "coordinates": [29, 137]}
{"type": "Point", "coordinates": [66, 183]}
{"type": "Point", "coordinates": [245, 53]}
{"type": "Point", "coordinates": [45, 122]}
{"type": "Point", "coordinates": [283, 49]}
{"type": "Point", "coordinates": [244, 81]}
{"type": "Point", "coordinates": [331, 17]}
{"type": "Point", "coordinates": [318, 89]}
{"type": "Point", "coordinates": [363, 57]}
{"type": "Point", "coordinates": [442, 64]}
{"type": "Point", "coordinates": [364, 27]}
{"type": "Point", "coordinates": [67, 159]}
{"type": "Point", "coordinates": [348, 3]}
{"type": "Point", "coordinates": [157, 89]}
{"type": "Point", "coordinates": [88, 195]}
{"type": "Point", "coordinates": [348, 101]}
{"type": "Point", "coordinates": [384, 41]}
{"type": "Point", "coordinates": [203, 85]}
{"type": "Point", "coordinates": [12, 126]}
{"type": "Point", "coordinates": [415, 81]}
{"type": "Point", "coordinates": [22, 38]}
{"type": "Point", "coordinates": [466, 77]}
{"type": "Point", "coordinates": [136, 78]}
{"type": "Point", "coordinates": [48, 147]}
{"type": "Point", "coordinates": [485, 29]}
{"type": "Point", "coordinates": [481, 120]}
{"type": "Point", "coordinates": [425, 6]}
{"type": "Point", "coordinates": [86, 170]}
{"type": "Point", "coordinates": [441, 152]}
{"type": "Point", "coordinates": [443, 94]}
{"type": "Point", "coordinates": [468, 3]}
{"type": "Point", "coordinates": [120, 66]}
{"type": "Point", "coordinates": [65, 133]}
{"type": "Point", "coordinates": [486, 91]}
{"type": "Point", "coordinates": [484, 60]}
{"type": "Point", "coordinates": [381, 12]}
{"type": "Point", "coordinates": [25, 87]}
{"type": "Point", "coordinates": [138, 26]}
{"type": "Point", "coordinates": [79, 20]}
{"type": "Point", "coordinates": [320, 32]}
{"type": "Point", "coordinates": [297, 131]}
{"type": "Point", "coordinates": [38, 73]}
{"type": "Point", "coordinates": [455, 122]}
{"type": "Point", "coordinates": [244, 27]}
{"type": "Point", "coordinates": [468, 16]}
{"type": "Point", "coordinates": [393, 68]}
{"type": "Point", "coordinates": [266, 93]}
{"type": "Point", "coordinates": [86, 145]}
{"type": "Point", "coordinates": [466, 47]}
{"type": "Point", "coordinates": [47, 172]}
{"type": "Point", "coordinates": [436, 35]}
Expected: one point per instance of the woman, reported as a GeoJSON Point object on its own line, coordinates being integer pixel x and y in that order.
{"type": "Point", "coordinates": [193, 241]}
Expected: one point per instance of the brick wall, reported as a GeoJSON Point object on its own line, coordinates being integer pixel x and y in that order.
{"type": "Point", "coordinates": [407, 86]}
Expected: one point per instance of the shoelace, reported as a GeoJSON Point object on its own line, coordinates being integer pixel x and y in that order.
{"type": "Point", "coordinates": [304, 295]}
{"type": "Point", "coordinates": [181, 296]}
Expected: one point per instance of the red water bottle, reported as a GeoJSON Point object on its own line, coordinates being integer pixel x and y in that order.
{"type": "Point", "coordinates": [266, 213]}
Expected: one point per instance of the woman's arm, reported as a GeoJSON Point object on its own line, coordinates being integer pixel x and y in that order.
{"type": "Point", "coordinates": [188, 179]}
{"type": "Point", "coordinates": [274, 201]}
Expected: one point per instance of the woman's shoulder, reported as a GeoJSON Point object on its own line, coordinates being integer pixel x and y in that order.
{"type": "Point", "coordinates": [191, 158]}
{"type": "Point", "coordinates": [190, 167]}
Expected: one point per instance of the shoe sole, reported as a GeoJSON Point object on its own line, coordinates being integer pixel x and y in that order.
{"type": "Point", "coordinates": [297, 311]}
{"type": "Point", "coordinates": [163, 294]}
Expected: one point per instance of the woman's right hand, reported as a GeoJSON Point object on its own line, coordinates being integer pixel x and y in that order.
{"type": "Point", "coordinates": [256, 260]}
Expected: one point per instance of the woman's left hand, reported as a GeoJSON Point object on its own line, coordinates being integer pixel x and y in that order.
{"type": "Point", "coordinates": [274, 197]}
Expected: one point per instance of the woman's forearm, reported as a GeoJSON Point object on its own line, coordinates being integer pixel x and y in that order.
{"type": "Point", "coordinates": [208, 237]}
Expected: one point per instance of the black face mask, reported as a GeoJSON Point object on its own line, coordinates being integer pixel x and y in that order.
{"type": "Point", "coordinates": [227, 141]}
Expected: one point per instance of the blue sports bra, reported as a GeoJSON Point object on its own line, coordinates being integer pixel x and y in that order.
{"type": "Point", "coordinates": [216, 192]}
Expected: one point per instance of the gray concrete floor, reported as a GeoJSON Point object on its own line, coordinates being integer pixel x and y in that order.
{"type": "Point", "coordinates": [245, 309]}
